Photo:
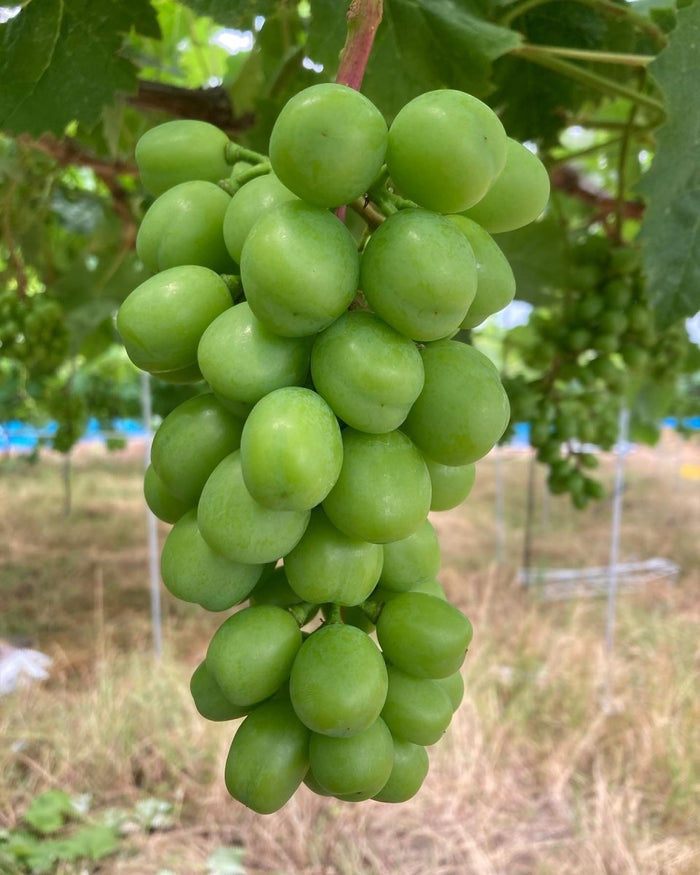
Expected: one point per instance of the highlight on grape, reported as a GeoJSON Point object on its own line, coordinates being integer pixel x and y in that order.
{"type": "Point", "coordinates": [340, 406]}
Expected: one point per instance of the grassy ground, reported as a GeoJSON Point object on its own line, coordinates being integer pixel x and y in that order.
{"type": "Point", "coordinates": [561, 760]}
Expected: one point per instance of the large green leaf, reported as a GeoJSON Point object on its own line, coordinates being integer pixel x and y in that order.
{"type": "Point", "coordinates": [234, 13]}
{"type": "Point", "coordinates": [59, 61]}
{"type": "Point", "coordinates": [670, 232]}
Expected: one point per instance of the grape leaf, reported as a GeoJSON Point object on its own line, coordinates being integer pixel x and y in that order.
{"type": "Point", "coordinates": [233, 13]}
{"type": "Point", "coordinates": [59, 61]}
{"type": "Point", "coordinates": [670, 232]}
{"type": "Point", "coordinates": [420, 45]}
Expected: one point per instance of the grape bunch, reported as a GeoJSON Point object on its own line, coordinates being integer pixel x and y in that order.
{"type": "Point", "coordinates": [338, 412]}
{"type": "Point", "coordinates": [33, 331]}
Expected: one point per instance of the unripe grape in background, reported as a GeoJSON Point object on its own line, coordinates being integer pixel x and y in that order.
{"type": "Point", "coordinates": [445, 149]}
{"type": "Point", "coordinates": [328, 144]}
{"type": "Point", "coordinates": [518, 196]}
{"type": "Point", "coordinates": [179, 151]}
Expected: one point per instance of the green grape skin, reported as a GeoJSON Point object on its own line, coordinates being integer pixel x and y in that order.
{"type": "Point", "coordinates": [368, 373]}
{"type": "Point", "coordinates": [161, 502]}
{"type": "Point", "coordinates": [163, 319]}
{"type": "Point", "coordinates": [462, 410]}
{"type": "Point", "coordinates": [180, 376]}
{"type": "Point", "coordinates": [338, 682]}
{"type": "Point", "coordinates": [208, 699]}
{"type": "Point", "coordinates": [291, 449]}
{"type": "Point", "coordinates": [356, 767]}
{"type": "Point", "coordinates": [329, 566]}
{"type": "Point", "coordinates": [246, 207]}
{"type": "Point", "coordinates": [408, 772]}
{"type": "Point", "coordinates": [612, 322]}
{"type": "Point", "coordinates": [274, 589]}
{"type": "Point", "coordinates": [495, 283]}
{"type": "Point", "coordinates": [251, 653]}
{"type": "Point", "coordinates": [418, 273]}
{"type": "Point", "coordinates": [299, 269]}
{"type": "Point", "coordinates": [184, 226]}
{"type": "Point", "coordinates": [589, 307]}
{"type": "Point", "coordinates": [383, 491]}
{"type": "Point", "coordinates": [416, 709]}
{"type": "Point", "coordinates": [444, 150]}
{"type": "Point", "coordinates": [411, 560]}
{"type": "Point", "coordinates": [268, 757]}
{"type": "Point", "coordinates": [242, 360]}
{"type": "Point", "coordinates": [179, 151]}
{"type": "Point", "coordinates": [235, 525]}
{"type": "Point", "coordinates": [634, 356]}
{"type": "Point", "coordinates": [517, 197]}
{"type": "Point", "coordinates": [451, 484]}
{"type": "Point", "coordinates": [190, 443]}
{"type": "Point", "coordinates": [617, 294]}
{"type": "Point", "coordinates": [328, 144]}
{"type": "Point", "coordinates": [431, 587]}
{"type": "Point", "coordinates": [453, 685]}
{"type": "Point", "coordinates": [423, 635]}
{"type": "Point", "coordinates": [193, 572]}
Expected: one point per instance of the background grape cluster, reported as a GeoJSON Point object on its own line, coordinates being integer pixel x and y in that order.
{"type": "Point", "coordinates": [340, 412]}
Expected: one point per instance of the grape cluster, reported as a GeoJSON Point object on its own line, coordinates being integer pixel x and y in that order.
{"type": "Point", "coordinates": [33, 331]}
{"type": "Point", "coordinates": [339, 413]}
{"type": "Point", "coordinates": [584, 353]}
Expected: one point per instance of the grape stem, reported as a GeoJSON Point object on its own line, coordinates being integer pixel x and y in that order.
{"type": "Point", "coordinates": [302, 612]}
{"type": "Point", "coordinates": [235, 152]}
{"type": "Point", "coordinates": [364, 17]}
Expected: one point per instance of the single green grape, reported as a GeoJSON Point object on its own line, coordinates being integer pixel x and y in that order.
{"type": "Point", "coordinates": [242, 360]}
{"type": "Point", "coordinates": [445, 148]}
{"type": "Point", "coordinates": [179, 151]}
{"type": "Point", "coordinates": [411, 560]}
{"type": "Point", "coordinates": [161, 502]}
{"type": "Point", "coordinates": [423, 635]}
{"type": "Point", "coordinates": [163, 319]}
{"type": "Point", "coordinates": [329, 566]}
{"type": "Point", "coordinates": [453, 685]}
{"type": "Point", "coordinates": [328, 144]}
{"type": "Point", "coordinates": [208, 698]}
{"type": "Point", "coordinates": [184, 226]}
{"type": "Point", "coordinates": [356, 767]}
{"type": "Point", "coordinates": [246, 207]}
{"type": "Point", "coordinates": [416, 709]}
{"type": "Point", "coordinates": [190, 443]}
{"type": "Point", "coordinates": [273, 589]}
{"type": "Point", "coordinates": [235, 525]}
{"type": "Point", "coordinates": [338, 681]}
{"type": "Point", "coordinates": [299, 269]}
{"type": "Point", "coordinates": [268, 757]}
{"type": "Point", "coordinates": [291, 449]}
{"type": "Point", "coordinates": [251, 653]}
{"type": "Point", "coordinates": [462, 410]}
{"type": "Point", "coordinates": [193, 572]}
{"type": "Point", "coordinates": [418, 273]}
{"type": "Point", "coordinates": [408, 772]}
{"type": "Point", "coordinates": [519, 194]}
{"type": "Point", "coordinates": [451, 484]}
{"type": "Point", "coordinates": [369, 374]}
{"type": "Point", "coordinates": [383, 491]}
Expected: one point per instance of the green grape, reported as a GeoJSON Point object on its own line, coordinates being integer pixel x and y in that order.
{"type": "Point", "coordinates": [517, 197]}
{"type": "Point", "coordinates": [208, 698]}
{"type": "Point", "coordinates": [416, 709]}
{"type": "Point", "coordinates": [445, 149]}
{"type": "Point", "coordinates": [612, 322]}
{"type": "Point", "coordinates": [453, 685]}
{"type": "Point", "coordinates": [430, 587]}
{"type": "Point", "coordinates": [423, 635]}
{"type": "Point", "coordinates": [383, 491]}
{"type": "Point", "coordinates": [339, 681]}
{"type": "Point", "coordinates": [190, 443]}
{"type": "Point", "coordinates": [329, 566]}
{"type": "Point", "coordinates": [578, 339]}
{"type": "Point", "coordinates": [451, 484]}
{"type": "Point", "coordinates": [161, 502]}
{"type": "Point", "coordinates": [418, 273]}
{"type": "Point", "coordinates": [411, 560]}
{"type": "Point", "coordinates": [617, 294]}
{"type": "Point", "coordinates": [291, 449]}
{"type": "Point", "coordinates": [193, 572]}
{"type": "Point", "coordinates": [251, 653]}
{"type": "Point", "coordinates": [246, 207]}
{"type": "Point", "coordinates": [408, 772]}
{"type": "Point", "coordinates": [242, 360]}
{"type": "Point", "coordinates": [639, 317]}
{"type": "Point", "coordinates": [163, 319]}
{"type": "Point", "coordinates": [273, 589]}
{"type": "Point", "coordinates": [635, 356]}
{"type": "Point", "coordinates": [368, 373]}
{"type": "Point", "coordinates": [184, 226]}
{"type": "Point", "coordinates": [179, 151]}
{"type": "Point", "coordinates": [268, 758]}
{"type": "Point", "coordinates": [495, 283]}
{"type": "Point", "coordinates": [189, 374]}
{"type": "Point", "coordinates": [356, 767]}
{"type": "Point", "coordinates": [299, 268]}
{"type": "Point", "coordinates": [463, 409]}
{"type": "Point", "coordinates": [328, 144]}
{"type": "Point", "coordinates": [235, 525]}
{"type": "Point", "coordinates": [589, 307]}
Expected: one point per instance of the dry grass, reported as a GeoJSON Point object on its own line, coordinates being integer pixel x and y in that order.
{"type": "Point", "coordinates": [560, 761]}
